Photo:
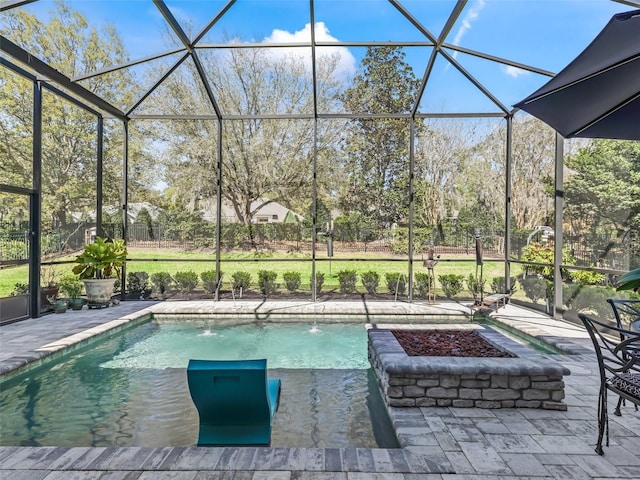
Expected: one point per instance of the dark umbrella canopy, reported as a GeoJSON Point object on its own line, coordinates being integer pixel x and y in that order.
{"type": "Point", "coordinates": [598, 94]}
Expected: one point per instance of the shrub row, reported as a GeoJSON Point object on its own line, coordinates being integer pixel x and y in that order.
{"type": "Point", "coordinates": [141, 284]}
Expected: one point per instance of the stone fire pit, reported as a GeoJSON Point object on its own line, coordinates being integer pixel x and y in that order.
{"type": "Point", "coordinates": [530, 380]}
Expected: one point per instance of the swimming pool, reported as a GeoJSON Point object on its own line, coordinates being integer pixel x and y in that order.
{"type": "Point", "coordinates": [131, 389]}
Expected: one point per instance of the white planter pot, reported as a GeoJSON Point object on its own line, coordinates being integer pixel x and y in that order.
{"type": "Point", "coordinates": [99, 291]}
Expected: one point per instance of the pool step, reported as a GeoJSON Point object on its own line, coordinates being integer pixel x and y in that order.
{"type": "Point", "coordinates": [287, 311]}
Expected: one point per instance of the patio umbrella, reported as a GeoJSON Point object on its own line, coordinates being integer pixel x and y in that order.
{"type": "Point", "coordinates": [598, 94]}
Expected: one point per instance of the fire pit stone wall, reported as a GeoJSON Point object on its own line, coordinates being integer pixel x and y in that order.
{"type": "Point", "coordinates": [528, 381]}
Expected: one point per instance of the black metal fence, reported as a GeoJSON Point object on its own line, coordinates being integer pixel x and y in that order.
{"type": "Point", "coordinates": [607, 250]}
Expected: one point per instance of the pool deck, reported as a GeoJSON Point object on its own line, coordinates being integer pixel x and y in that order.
{"type": "Point", "coordinates": [438, 442]}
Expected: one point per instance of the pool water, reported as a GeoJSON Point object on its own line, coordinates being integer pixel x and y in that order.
{"type": "Point", "coordinates": [284, 345]}
{"type": "Point", "coordinates": [131, 389]}
{"type": "Point", "coordinates": [522, 337]}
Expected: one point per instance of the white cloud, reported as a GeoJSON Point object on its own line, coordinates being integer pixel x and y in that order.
{"type": "Point", "coordinates": [472, 14]}
{"type": "Point", "coordinates": [514, 72]}
{"type": "Point", "coordinates": [346, 64]}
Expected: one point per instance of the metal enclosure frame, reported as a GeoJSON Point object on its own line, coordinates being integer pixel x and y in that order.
{"type": "Point", "coordinates": [68, 88]}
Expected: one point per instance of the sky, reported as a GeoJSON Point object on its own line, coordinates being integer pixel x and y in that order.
{"type": "Point", "coordinates": [546, 34]}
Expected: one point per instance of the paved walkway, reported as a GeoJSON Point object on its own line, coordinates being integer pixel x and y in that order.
{"type": "Point", "coordinates": [438, 443]}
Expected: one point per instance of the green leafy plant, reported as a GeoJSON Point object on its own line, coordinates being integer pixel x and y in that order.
{"type": "Point", "coordinates": [319, 281]}
{"type": "Point", "coordinates": [20, 288]}
{"type": "Point", "coordinates": [475, 285]}
{"type": "Point", "coordinates": [241, 280]}
{"type": "Point", "coordinates": [370, 281]}
{"type": "Point", "coordinates": [101, 259]}
{"type": "Point", "coordinates": [629, 281]}
{"type": "Point", "coordinates": [292, 280]}
{"type": "Point", "coordinates": [347, 280]}
{"type": "Point", "coordinates": [396, 280]}
{"type": "Point", "coordinates": [13, 249]}
{"type": "Point", "coordinates": [452, 284]}
{"type": "Point", "coordinates": [208, 278]}
{"type": "Point", "coordinates": [138, 283]}
{"type": "Point", "coordinates": [161, 282]}
{"type": "Point", "coordinates": [71, 286]}
{"type": "Point", "coordinates": [186, 281]}
{"type": "Point", "coordinates": [498, 285]}
{"type": "Point", "coordinates": [585, 277]}
{"type": "Point", "coordinates": [533, 287]}
{"type": "Point", "coordinates": [423, 283]}
{"type": "Point", "coordinates": [267, 282]}
{"type": "Point", "coordinates": [539, 253]}
{"type": "Point", "coordinates": [588, 298]}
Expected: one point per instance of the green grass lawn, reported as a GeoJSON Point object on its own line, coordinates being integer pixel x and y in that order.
{"type": "Point", "coordinates": [148, 260]}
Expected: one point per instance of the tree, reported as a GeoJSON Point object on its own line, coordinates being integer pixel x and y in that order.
{"type": "Point", "coordinates": [441, 156]}
{"type": "Point", "coordinates": [69, 142]}
{"type": "Point", "coordinates": [268, 160]}
{"type": "Point", "coordinates": [533, 161]}
{"type": "Point", "coordinates": [602, 193]}
{"type": "Point", "coordinates": [603, 188]}
{"type": "Point", "coordinates": [377, 151]}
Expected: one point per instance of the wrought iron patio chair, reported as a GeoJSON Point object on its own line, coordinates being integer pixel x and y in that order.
{"type": "Point", "coordinates": [618, 353]}
{"type": "Point", "coordinates": [627, 314]}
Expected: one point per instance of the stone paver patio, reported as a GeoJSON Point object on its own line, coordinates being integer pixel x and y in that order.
{"type": "Point", "coordinates": [437, 442]}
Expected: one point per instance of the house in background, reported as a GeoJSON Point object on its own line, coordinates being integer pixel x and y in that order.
{"type": "Point", "coordinates": [133, 210]}
{"type": "Point", "coordinates": [271, 212]}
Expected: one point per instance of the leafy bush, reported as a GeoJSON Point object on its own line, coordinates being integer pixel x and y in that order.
{"type": "Point", "coordinates": [186, 281]}
{"type": "Point", "coordinates": [400, 240]}
{"type": "Point", "coordinates": [475, 285]}
{"type": "Point", "coordinates": [14, 249]}
{"type": "Point", "coordinates": [588, 298]}
{"type": "Point", "coordinates": [370, 281]}
{"type": "Point", "coordinates": [209, 283]}
{"type": "Point", "coordinates": [241, 280]}
{"type": "Point", "coordinates": [396, 280]}
{"type": "Point", "coordinates": [347, 279]}
{"type": "Point", "coordinates": [267, 282]}
{"type": "Point", "coordinates": [452, 284]}
{"type": "Point", "coordinates": [533, 287]}
{"type": "Point", "coordinates": [424, 282]}
{"type": "Point", "coordinates": [498, 285]}
{"type": "Point", "coordinates": [138, 283]}
{"type": "Point", "coordinates": [292, 280]}
{"type": "Point", "coordinates": [161, 282]}
{"type": "Point", "coordinates": [538, 253]}
{"type": "Point", "coordinates": [20, 289]}
{"type": "Point", "coordinates": [319, 281]}
{"type": "Point", "coordinates": [585, 277]}
{"type": "Point", "coordinates": [71, 286]}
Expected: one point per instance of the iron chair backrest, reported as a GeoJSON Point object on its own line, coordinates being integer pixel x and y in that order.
{"type": "Point", "coordinates": [615, 356]}
{"type": "Point", "coordinates": [625, 311]}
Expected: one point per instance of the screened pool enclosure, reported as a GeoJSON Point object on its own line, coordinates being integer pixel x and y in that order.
{"type": "Point", "coordinates": [320, 137]}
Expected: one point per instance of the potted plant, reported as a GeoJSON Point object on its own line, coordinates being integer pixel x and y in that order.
{"type": "Point", "coordinates": [99, 266]}
{"type": "Point", "coordinates": [72, 287]}
{"type": "Point", "coordinates": [60, 305]}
